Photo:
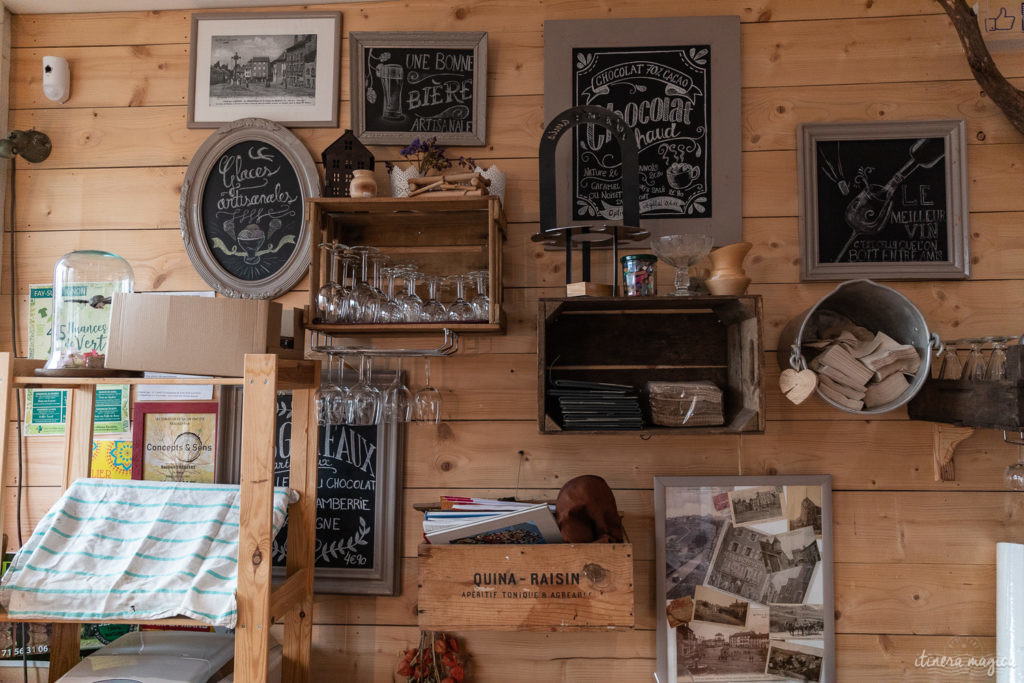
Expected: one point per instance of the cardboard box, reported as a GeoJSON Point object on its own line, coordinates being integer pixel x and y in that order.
{"type": "Point", "coordinates": [192, 335]}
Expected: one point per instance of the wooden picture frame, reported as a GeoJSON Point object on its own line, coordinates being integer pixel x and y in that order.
{"type": "Point", "coordinates": [176, 440]}
{"type": "Point", "coordinates": [746, 564]}
{"type": "Point", "coordinates": [289, 73]}
{"type": "Point", "coordinates": [419, 84]}
{"type": "Point", "coordinates": [676, 83]}
{"type": "Point", "coordinates": [368, 544]}
{"type": "Point", "coordinates": [876, 203]}
{"type": "Point", "coordinates": [245, 238]}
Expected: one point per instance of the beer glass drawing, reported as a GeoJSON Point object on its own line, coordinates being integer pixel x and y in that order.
{"type": "Point", "coordinates": [391, 82]}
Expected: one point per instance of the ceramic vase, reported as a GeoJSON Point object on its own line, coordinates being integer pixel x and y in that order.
{"type": "Point", "coordinates": [400, 180]}
{"type": "Point", "coordinates": [363, 184]}
{"type": "Point", "coordinates": [727, 276]}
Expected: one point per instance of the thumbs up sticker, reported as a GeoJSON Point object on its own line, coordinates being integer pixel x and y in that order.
{"type": "Point", "coordinates": [1001, 22]}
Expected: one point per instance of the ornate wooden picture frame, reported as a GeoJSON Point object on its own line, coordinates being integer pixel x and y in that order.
{"type": "Point", "coordinates": [744, 578]}
{"type": "Point", "coordinates": [676, 83]}
{"type": "Point", "coordinates": [419, 84]}
{"type": "Point", "coordinates": [884, 200]}
{"type": "Point", "coordinates": [281, 66]}
{"type": "Point", "coordinates": [243, 209]}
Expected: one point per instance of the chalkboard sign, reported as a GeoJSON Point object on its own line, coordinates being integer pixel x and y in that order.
{"type": "Point", "coordinates": [419, 85]}
{"type": "Point", "coordinates": [675, 81]}
{"type": "Point", "coordinates": [243, 209]}
{"type": "Point", "coordinates": [664, 95]}
{"type": "Point", "coordinates": [356, 481]}
{"type": "Point", "coordinates": [885, 199]}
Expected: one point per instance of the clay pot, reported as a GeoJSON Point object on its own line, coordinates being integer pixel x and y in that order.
{"type": "Point", "coordinates": [727, 275]}
{"type": "Point", "coordinates": [363, 184]}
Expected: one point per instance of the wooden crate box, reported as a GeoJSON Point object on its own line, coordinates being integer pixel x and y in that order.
{"type": "Point", "coordinates": [442, 236]}
{"type": "Point", "coordinates": [666, 338]}
{"type": "Point", "coordinates": [556, 587]}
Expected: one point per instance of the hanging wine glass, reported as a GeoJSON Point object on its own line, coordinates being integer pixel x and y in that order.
{"type": "Point", "coordinates": [1015, 473]}
{"type": "Point", "coordinates": [995, 369]}
{"type": "Point", "coordinates": [481, 302]}
{"type": "Point", "coordinates": [397, 401]}
{"type": "Point", "coordinates": [412, 304]}
{"type": "Point", "coordinates": [338, 397]}
{"type": "Point", "coordinates": [974, 368]}
{"type": "Point", "coordinates": [367, 298]}
{"type": "Point", "coordinates": [426, 404]}
{"type": "Point", "coordinates": [364, 401]}
{"type": "Point", "coordinates": [951, 367]}
{"type": "Point", "coordinates": [327, 397]}
{"type": "Point", "coordinates": [433, 310]}
{"type": "Point", "coordinates": [460, 309]}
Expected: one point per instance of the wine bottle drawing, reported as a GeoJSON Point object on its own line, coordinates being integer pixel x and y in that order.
{"type": "Point", "coordinates": [868, 212]}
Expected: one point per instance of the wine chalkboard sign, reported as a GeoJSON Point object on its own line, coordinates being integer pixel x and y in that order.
{"type": "Point", "coordinates": [664, 95]}
{"type": "Point", "coordinates": [884, 200]}
{"type": "Point", "coordinates": [352, 496]}
{"type": "Point", "coordinates": [419, 85]}
{"type": "Point", "coordinates": [243, 209]}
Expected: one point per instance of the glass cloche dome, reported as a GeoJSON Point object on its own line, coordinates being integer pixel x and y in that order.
{"type": "Point", "coordinates": [83, 284]}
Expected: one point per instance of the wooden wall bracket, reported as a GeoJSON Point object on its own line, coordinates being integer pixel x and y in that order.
{"type": "Point", "coordinates": [945, 439]}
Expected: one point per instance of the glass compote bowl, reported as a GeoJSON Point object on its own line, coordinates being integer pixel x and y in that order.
{"type": "Point", "coordinates": [681, 252]}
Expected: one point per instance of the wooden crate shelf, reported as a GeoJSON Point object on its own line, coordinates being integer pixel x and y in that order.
{"type": "Point", "coordinates": [666, 338]}
{"type": "Point", "coordinates": [441, 236]}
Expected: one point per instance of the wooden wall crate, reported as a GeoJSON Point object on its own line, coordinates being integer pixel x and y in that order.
{"type": "Point", "coordinates": [986, 404]}
{"type": "Point", "coordinates": [555, 587]}
{"type": "Point", "coordinates": [665, 338]}
{"type": "Point", "coordinates": [441, 236]}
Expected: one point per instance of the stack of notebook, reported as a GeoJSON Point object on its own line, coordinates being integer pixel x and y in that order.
{"type": "Point", "coordinates": [597, 405]}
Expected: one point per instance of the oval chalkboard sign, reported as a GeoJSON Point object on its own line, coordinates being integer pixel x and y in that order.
{"type": "Point", "coordinates": [243, 209]}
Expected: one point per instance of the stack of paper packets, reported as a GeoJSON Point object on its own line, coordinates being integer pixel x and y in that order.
{"type": "Point", "coordinates": [863, 370]}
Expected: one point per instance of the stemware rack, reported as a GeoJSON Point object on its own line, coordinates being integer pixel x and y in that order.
{"type": "Point", "coordinates": [321, 342]}
{"type": "Point", "coordinates": [440, 236]}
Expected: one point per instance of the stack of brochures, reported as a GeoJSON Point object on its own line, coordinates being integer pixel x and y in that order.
{"type": "Point", "coordinates": [597, 405]}
{"type": "Point", "coordinates": [482, 520]}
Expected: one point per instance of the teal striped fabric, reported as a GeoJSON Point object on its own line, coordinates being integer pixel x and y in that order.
{"type": "Point", "coordinates": [112, 549]}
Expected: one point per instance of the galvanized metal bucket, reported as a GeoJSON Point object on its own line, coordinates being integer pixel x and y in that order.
{"type": "Point", "coordinates": [876, 307]}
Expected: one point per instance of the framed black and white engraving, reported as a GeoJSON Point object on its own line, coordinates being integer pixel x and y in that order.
{"type": "Point", "coordinates": [419, 84]}
{"type": "Point", "coordinates": [281, 66]}
{"type": "Point", "coordinates": [676, 83]}
{"type": "Point", "coordinates": [243, 209]}
{"type": "Point", "coordinates": [744, 578]}
{"type": "Point", "coordinates": [357, 517]}
{"type": "Point", "coordinates": [883, 200]}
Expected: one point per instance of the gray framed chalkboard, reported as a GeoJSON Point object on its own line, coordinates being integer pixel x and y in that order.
{"type": "Point", "coordinates": [676, 83]}
{"type": "Point", "coordinates": [883, 200]}
{"type": "Point", "coordinates": [356, 549]}
{"type": "Point", "coordinates": [419, 84]}
{"type": "Point", "coordinates": [243, 209]}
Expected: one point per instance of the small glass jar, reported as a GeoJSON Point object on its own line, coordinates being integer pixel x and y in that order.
{"type": "Point", "coordinates": [363, 184]}
{"type": "Point", "coordinates": [84, 283]}
{"type": "Point", "coordinates": [638, 274]}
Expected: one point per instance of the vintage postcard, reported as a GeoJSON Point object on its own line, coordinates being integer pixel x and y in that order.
{"type": "Point", "coordinates": [796, 621]}
{"type": "Point", "coordinates": [756, 505]}
{"type": "Point", "coordinates": [737, 566]}
{"type": "Point", "coordinates": [717, 607]}
{"type": "Point", "coordinates": [803, 507]}
{"type": "Point", "coordinates": [714, 652]}
{"type": "Point", "coordinates": [691, 533]}
{"type": "Point", "coordinates": [793, 661]}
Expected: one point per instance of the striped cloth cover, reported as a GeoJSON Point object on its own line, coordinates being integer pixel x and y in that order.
{"type": "Point", "coordinates": [115, 549]}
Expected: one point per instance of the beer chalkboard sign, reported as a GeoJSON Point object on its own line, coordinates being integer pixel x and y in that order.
{"type": "Point", "coordinates": [419, 85]}
{"type": "Point", "coordinates": [243, 212]}
{"type": "Point", "coordinates": [885, 200]}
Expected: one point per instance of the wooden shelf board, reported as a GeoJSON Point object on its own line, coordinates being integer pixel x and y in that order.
{"type": "Point", "coordinates": [402, 328]}
{"type": "Point", "coordinates": [30, 381]}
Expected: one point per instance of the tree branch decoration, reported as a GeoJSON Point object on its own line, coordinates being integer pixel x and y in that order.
{"type": "Point", "coordinates": [991, 80]}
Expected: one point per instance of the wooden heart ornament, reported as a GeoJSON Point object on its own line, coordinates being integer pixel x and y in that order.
{"type": "Point", "coordinates": [797, 386]}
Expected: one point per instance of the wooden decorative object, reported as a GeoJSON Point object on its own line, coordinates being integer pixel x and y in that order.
{"type": "Point", "coordinates": [556, 587]}
{"type": "Point", "coordinates": [341, 158]}
{"type": "Point", "coordinates": [945, 440]}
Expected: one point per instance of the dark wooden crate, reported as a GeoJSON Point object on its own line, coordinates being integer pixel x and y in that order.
{"type": "Point", "coordinates": [442, 236]}
{"type": "Point", "coordinates": [986, 404]}
{"type": "Point", "coordinates": [668, 338]}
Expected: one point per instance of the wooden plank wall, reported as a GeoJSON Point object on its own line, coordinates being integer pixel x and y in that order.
{"type": "Point", "coordinates": [914, 558]}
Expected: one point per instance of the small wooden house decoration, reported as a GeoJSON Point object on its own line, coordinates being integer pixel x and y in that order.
{"type": "Point", "coordinates": [344, 155]}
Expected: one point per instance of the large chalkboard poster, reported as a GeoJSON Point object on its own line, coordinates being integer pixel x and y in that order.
{"type": "Point", "coordinates": [419, 85]}
{"type": "Point", "coordinates": [883, 200]}
{"type": "Point", "coordinates": [355, 535]}
{"type": "Point", "coordinates": [252, 210]}
{"type": "Point", "coordinates": [675, 81]}
{"type": "Point", "coordinates": [243, 209]}
{"type": "Point", "coordinates": [664, 95]}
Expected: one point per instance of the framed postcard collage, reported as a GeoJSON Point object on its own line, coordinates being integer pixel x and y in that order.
{"type": "Point", "coordinates": [744, 578]}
